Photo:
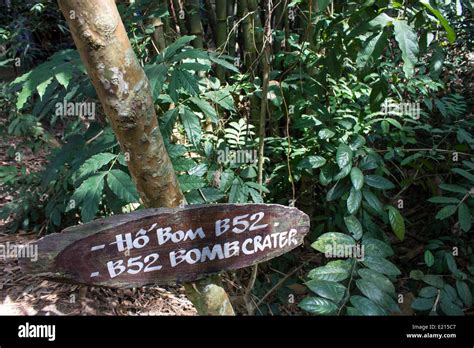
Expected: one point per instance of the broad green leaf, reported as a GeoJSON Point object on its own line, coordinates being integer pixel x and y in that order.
{"type": "Point", "coordinates": [333, 240]}
{"type": "Point", "coordinates": [422, 304]}
{"type": "Point", "coordinates": [357, 178]}
{"type": "Point", "coordinates": [408, 43]}
{"type": "Point", "coordinates": [64, 76]}
{"type": "Point", "coordinates": [464, 292]}
{"type": "Point", "coordinates": [464, 173]}
{"type": "Point", "coordinates": [354, 226]}
{"type": "Point", "coordinates": [89, 195]}
{"type": "Point", "coordinates": [333, 271]}
{"type": "Point", "coordinates": [373, 201]}
{"type": "Point", "coordinates": [382, 281]}
{"type": "Point", "coordinates": [122, 186]}
{"type": "Point", "coordinates": [354, 200]}
{"type": "Point", "coordinates": [322, 5]}
{"type": "Point", "coordinates": [453, 188]}
{"type": "Point", "coordinates": [326, 133]}
{"type": "Point", "coordinates": [444, 22]}
{"type": "Point", "coordinates": [255, 195]}
{"type": "Point", "coordinates": [190, 182]}
{"type": "Point", "coordinates": [192, 126]}
{"type": "Point", "coordinates": [343, 155]}
{"type": "Point", "coordinates": [238, 193]}
{"type": "Point", "coordinates": [381, 265]}
{"type": "Point", "coordinates": [446, 212]}
{"type": "Point", "coordinates": [396, 222]}
{"type": "Point", "coordinates": [91, 165]}
{"type": "Point", "coordinates": [428, 292]}
{"type": "Point", "coordinates": [464, 217]}
{"type": "Point", "coordinates": [444, 200]}
{"type": "Point", "coordinates": [372, 49]}
{"type": "Point", "coordinates": [312, 162]}
{"type": "Point", "coordinates": [374, 293]}
{"type": "Point", "coordinates": [451, 262]}
{"type": "Point", "coordinates": [433, 280]}
{"type": "Point", "coordinates": [429, 258]}
{"type": "Point", "coordinates": [331, 290]}
{"type": "Point", "coordinates": [224, 63]}
{"type": "Point", "coordinates": [449, 308]}
{"type": "Point", "coordinates": [206, 108]}
{"type": "Point", "coordinates": [378, 182]}
{"type": "Point", "coordinates": [366, 306]}
{"type": "Point", "coordinates": [318, 305]}
{"type": "Point", "coordinates": [375, 247]}
{"type": "Point", "coordinates": [178, 45]}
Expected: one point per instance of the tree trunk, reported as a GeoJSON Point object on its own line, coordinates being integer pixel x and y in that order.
{"type": "Point", "coordinates": [125, 94]}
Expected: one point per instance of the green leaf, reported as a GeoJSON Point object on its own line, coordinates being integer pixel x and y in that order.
{"type": "Point", "coordinates": [224, 63]}
{"type": "Point", "coordinates": [122, 186]}
{"type": "Point", "coordinates": [343, 155]}
{"type": "Point", "coordinates": [444, 22]}
{"type": "Point", "coordinates": [444, 200]}
{"type": "Point", "coordinates": [326, 242]}
{"type": "Point", "coordinates": [178, 45]}
{"type": "Point", "coordinates": [372, 49]}
{"type": "Point", "coordinates": [317, 305]}
{"type": "Point", "coordinates": [408, 43]}
{"type": "Point", "coordinates": [446, 212]}
{"type": "Point", "coordinates": [312, 162]}
{"type": "Point", "coordinates": [451, 262]}
{"type": "Point", "coordinates": [322, 5]}
{"type": "Point", "coordinates": [255, 195]}
{"type": "Point", "coordinates": [464, 293]}
{"type": "Point", "coordinates": [333, 271]}
{"type": "Point", "coordinates": [373, 201]}
{"type": "Point", "coordinates": [41, 88]}
{"type": "Point", "coordinates": [326, 133]}
{"type": "Point", "coordinates": [381, 265]}
{"type": "Point", "coordinates": [429, 258]}
{"type": "Point", "coordinates": [449, 308]}
{"type": "Point", "coordinates": [453, 188]}
{"type": "Point", "coordinates": [374, 293]}
{"type": "Point", "coordinates": [89, 195]}
{"type": "Point", "coordinates": [354, 226]}
{"type": "Point", "coordinates": [354, 200]}
{"type": "Point", "coordinates": [378, 182]}
{"type": "Point", "coordinates": [357, 178]}
{"type": "Point", "coordinates": [464, 217]}
{"type": "Point", "coordinates": [157, 76]}
{"type": "Point", "coordinates": [464, 173]}
{"type": "Point", "coordinates": [378, 278]}
{"type": "Point", "coordinates": [375, 247]}
{"type": "Point", "coordinates": [396, 222]}
{"type": "Point", "coordinates": [433, 280]}
{"type": "Point", "coordinates": [422, 304]}
{"type": "Point", "coordinates": [94, 163]}
{"type": "Point", "coordinates": [206, 108]}
{"type": "Point", "coordinates": [366, 306]}
{"type": "Point", "coordinates": [238, 193]}
{"type": "Point", "coordinates": [190, 182]}
{"type": "Point", "coordinates": [428, 292]}
{"type": "Point", "coordinates": [192, 126]}
{"type": "Point", "coordinates": [331, 290]}
{"type": "Point", "coordinates": [63, 77]}
{"type": "Point", "coordinates": [378, 94]}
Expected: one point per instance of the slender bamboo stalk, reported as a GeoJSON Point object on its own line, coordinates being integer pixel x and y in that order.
{"type": "Point", "coordinates": [194, 22]}
{"type": "Point", "coordinates": [211, 18]}
{"type": "Point", "coordinates": [221, 33]}
{"type": "Point", "coordinates": [230, 24]}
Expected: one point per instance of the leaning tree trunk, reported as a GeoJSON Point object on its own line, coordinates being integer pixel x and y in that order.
{"type": "Point", "coordinates": [125, 94]}
{"type": "Point", "coordinates": [194, 22]}
{"type": "Point", "coordinates": [221, 33]}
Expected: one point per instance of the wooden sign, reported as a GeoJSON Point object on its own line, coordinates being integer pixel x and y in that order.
{"type": "Point", "coordinates": [169, 245]}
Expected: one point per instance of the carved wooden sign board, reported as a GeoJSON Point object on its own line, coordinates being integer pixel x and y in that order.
{"type": "Point", "coordinates": [162, 246]}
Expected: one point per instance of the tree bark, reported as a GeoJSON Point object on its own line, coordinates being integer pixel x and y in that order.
{"type": "Point", "coordinates": [221, 33]}
{"type": "Point", "coordinates": [125, 94]}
